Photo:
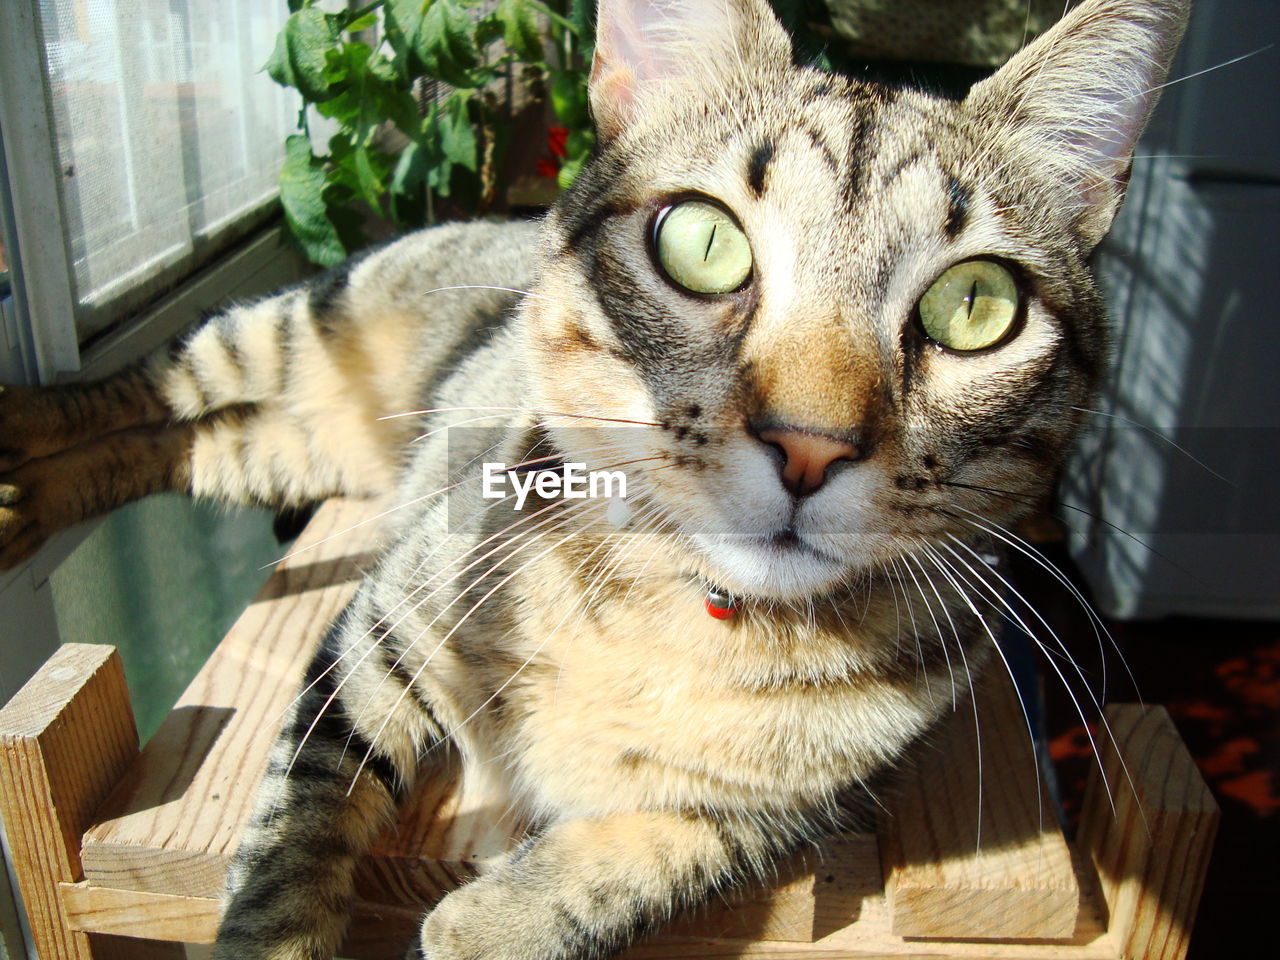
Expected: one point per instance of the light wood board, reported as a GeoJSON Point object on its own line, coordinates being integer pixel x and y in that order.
{"type": "Point", "coordinates": [973, 848]}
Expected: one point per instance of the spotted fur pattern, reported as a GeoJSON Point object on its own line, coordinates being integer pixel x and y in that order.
{"type": "Point", "coordinates": [659, 755]}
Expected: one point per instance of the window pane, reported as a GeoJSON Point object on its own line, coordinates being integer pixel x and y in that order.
{"type": "Point", "coordinates": [168, 134]}
{"type": "Point", "coordinates": [163, 579]}
{"type": "Point", "coordinates": [4, 254]}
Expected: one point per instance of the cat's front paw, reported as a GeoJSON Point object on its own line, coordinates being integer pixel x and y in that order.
{"type": "Point", "coordinates": [44, 496]}
{"type": "Point", "coordinates": [29, 512]}
{"type": "Point", "coordinates": [492, 921]}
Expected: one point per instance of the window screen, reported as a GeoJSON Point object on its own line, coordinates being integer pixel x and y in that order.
{"type": "Point", "coordinates": [169, 136]}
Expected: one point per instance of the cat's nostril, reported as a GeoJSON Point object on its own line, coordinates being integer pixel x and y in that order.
{"type": "Point", "coordinates": [806, 457]}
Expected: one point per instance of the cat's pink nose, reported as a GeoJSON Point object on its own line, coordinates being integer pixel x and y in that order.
{"type": "Point", "coordinates": [807, 456]}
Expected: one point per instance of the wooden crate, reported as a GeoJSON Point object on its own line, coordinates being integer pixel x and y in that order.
{"type": "Point", "coordinates": [111, 843]}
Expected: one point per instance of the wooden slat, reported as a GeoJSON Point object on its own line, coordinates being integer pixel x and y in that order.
{"type": "Point", "coordinates": [852, 919]}
{"type": "Point", "coordinates": [850, 915]}
{"type": "Point", "coordinates": [441, 833]}
{"type": "Point", "coordinates": [854, 922]}
{"type": "Point", "coordinates": [65, 738]}
{"type": "Point", "coordinates": [978, 857]}
{"type": "Point", "coordinates": [1152, 852]}
{"type": "Point", "coordinates": [785, 910]}
{"type": "Point", "coordinates": [154, 916]}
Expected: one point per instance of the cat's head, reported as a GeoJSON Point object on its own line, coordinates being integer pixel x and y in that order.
{"type": "Point", "coordinates": [859, 318]}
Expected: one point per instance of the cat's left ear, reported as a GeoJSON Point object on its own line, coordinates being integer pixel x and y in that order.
{"type": "Point", "coordinates": [651, 52]}
{"type": "Point", "coordinates": [1077, 99]}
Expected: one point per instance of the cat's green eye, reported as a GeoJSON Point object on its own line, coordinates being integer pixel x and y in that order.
{"type": "Point", "coordinates": [971, 306]}
{"type": "Point", "coordinates": [701, 248]}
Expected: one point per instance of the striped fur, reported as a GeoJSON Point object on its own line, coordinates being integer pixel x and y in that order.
{"type": "Point", "coordinates": [659, 756]}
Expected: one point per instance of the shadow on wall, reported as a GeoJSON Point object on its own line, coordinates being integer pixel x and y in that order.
{"type": "Point", "coordinates": [1188, 524]}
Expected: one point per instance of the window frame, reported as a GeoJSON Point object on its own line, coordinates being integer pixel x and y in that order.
{"type": "Point", "coordinates": [42, 295]}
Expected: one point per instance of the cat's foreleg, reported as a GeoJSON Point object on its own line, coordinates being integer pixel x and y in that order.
{"type": "Point", "coordinates": [70, 453]}
{"type": "Point", "coordinates": [259, 405]}
{"type": "Point", "coordinates": [589, 888]}
{"type": "Point", "coordinates": [349, 751]}
{"type": "Point", "coordinates": [37, 421]}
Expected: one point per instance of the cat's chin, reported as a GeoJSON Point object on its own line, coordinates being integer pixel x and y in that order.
{"type": "Point", "coordinates": [770, 568]}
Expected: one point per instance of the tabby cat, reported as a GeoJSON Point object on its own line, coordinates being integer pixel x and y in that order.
{"type": "Point", "coordinates": [820, 322]}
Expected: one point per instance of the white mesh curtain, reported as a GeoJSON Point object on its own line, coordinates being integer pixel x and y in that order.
{"type": "Point", "coordinates": [168, 132]}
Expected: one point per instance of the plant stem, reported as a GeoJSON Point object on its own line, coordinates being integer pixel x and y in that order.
{"type": "Point", "coordinates": [355, 15]}
{"type": "Point", "coordinates": [554, 17]}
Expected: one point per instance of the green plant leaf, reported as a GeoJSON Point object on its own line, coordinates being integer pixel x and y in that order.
{"type": "Point", "coordinates": [362, 23]}
{"type": "Point", "coordinates": [554, 17]}
{"type": "Point", "coordinates": [569, 98]}
{"type": "Point", "coordinates": [439, 168]}
{"type": "Point", "coordinates": [520, 30]}
{"type": "Point", "coordinates": [359, 168]}
{"type": "Point", "coordinates": [277, 66]}
{"type": "Point", "coordinates": [488, 29]}
{"type": "Point", "coordinates": [457, 135]}
{"type": "Point", "coordinates": [445, 44]}
{"type": "Point", "coordinates": [393, 97]}
{"type": "Point", "coordinates": [408, 186]}
{"type": "Point", "coordinates": [310, 35]}
{"type": "Point", "coordinates": [372, 93]}
{"type": "Point", "coordinates": [410, 171]}
{"type": "Point", "coordinates": [340, 174]}
{"type": "Point", "coordinates": [580, 16]}
{"type": "Point", "coordinates": [370, 180]}
{"type": "Point", "coordinates": [569, 172]}
{"type": "Point", "coordinates": [403, 19]}
{"type": "Point", "coordinates": [302, 182]}
{"type": "Point", "coordinates": [579, 143]}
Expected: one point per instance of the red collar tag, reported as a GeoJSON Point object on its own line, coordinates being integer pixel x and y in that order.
{"type": "Point", "coordinates": [721, 605]}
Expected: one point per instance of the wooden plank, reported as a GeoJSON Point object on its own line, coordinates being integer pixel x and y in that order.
{"type": "Point", "coordinates": [854, 922]}
{"type": "Point", "coordinates": [1152, 852]}
{"type": "Point", "coordinates": [784, 910]}
{"type": "Point", "coordinates": [851, 922]}
{"type": "Point", "coordinates": [441, 834]}
{"type": "Point", "coordinates": [153, 916]}
{"type": "Point", "coordinates": [978, 856]}
{"type": "Point", "coordinates": [377, 931]}
{"type": "Point", "coordinates": [65, 738]}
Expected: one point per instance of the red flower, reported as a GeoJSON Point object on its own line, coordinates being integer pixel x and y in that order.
{"type": "Point", "coordinates": [548, 167]}
{"type": "Point", "coordinates": [558, 141]}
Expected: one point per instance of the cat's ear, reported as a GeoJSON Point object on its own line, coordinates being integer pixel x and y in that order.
{"type": "Point", "coordinates": [650, 49]}
{"type": "Point", "coordinates": [1077, 98]}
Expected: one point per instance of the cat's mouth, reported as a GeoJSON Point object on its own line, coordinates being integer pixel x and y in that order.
{"type": "Point", "coordinates": [782, 565]}
{"type": "Point", "coordinates": [789, 539]}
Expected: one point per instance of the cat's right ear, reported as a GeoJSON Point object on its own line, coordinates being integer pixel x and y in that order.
{"type": "Point", "coordinates": [651, 50]}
